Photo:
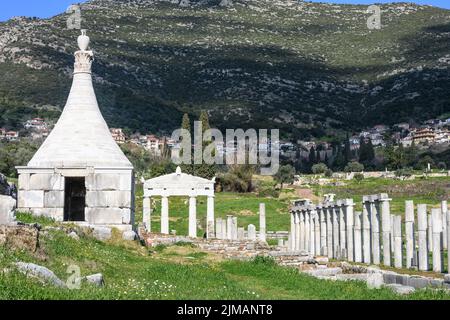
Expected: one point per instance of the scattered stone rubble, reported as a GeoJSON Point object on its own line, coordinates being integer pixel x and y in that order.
{"type": "Point", "coordinates": [375, 277]}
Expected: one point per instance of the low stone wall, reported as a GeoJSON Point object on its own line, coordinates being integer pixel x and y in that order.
{"type": "Point", "coordinates": [20, 237]}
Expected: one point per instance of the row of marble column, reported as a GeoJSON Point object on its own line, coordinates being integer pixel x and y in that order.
{"type": "Point", "coordinates": [431, 234]}
{"type": "Point", "coordinates": [333, 229]}
{"type": "Point", "coordinates": [322, 229]}
{"type": "Point", "coordinates": [147, 211]}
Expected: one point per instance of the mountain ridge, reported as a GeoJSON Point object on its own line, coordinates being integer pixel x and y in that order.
{"type": "Point", "coordinates": [311, 70]}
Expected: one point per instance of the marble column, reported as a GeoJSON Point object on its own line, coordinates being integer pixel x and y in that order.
{"type": "Point", "coordinates": [219, 228]}
{"type": "Point", "coordinates": [302, 230]}
{"type": "Point", "coordinates": [349, 221]}
{"type": "Point", "coordinates": [241, 233]}
{"type": "Point", "coordinates": [193, 217]}
{"type": "Point", "coordinates": [225, 228]}
{"type": "Point", "coordinates": [293, 232]}
{"type": "Point", "coordinates": [375, 229]}
{"type": "Point", "coordinates": [409, 232]}
{"type": "Point", "coordinates": [342, 232]}
{"type": "Point", "coordinates": [438, 260]}
{"type": "Point", "coordinates": [358, 237]}
{"type": "Point", "coordinates": [147, 214]}
{"type": "Point", "coordinates": [262, 222]}
{"type": "Point", "coordinates": [397, 241]}
{"type": "Point", "coordinates": [323, 231]}
{"type": "Point", "coordinates": [367, 256]}
{"type": "Point", "coordinates": [251, 232]}
{"type": "Point", "coordinates": [165, 215]}
{"type": "Point", "coordinates": [329, 221]}
{"type": "Point", "coordinates": [234, 232]}
{"type": "Point", "coordinates": [229, 227]}
{"type": "Point", "coordinates": [307, 231]}
{"type": "Point", "coordinates": [297, 231]}
{"type": "Point", "coordinates": [448, 240]}
{"type": "Point", "coordinates": [336, 249]}
{"type": "Point", "coordinates": [317, 233]}
{"type": "Point", "coordinates": [444, 209]}
{"type": "Point", "coordinates": [386, 229]}
{"type": "Point", "coordinates": [312, 226]}
{"type": "Point", "coordinates": [430, 234]}
{"type": "Point", "coordinates": [392, 233]}
{"type": "Point", "coordinates": [422, 227]}
{"type": "Point", "coordinates": [210, 217]}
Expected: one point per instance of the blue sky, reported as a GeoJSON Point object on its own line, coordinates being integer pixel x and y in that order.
{"type": "Point", "coordinates": [49, 8]}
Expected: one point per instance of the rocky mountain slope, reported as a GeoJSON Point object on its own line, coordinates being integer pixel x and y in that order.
{"type": "Point", "coordinates": [306, 68]}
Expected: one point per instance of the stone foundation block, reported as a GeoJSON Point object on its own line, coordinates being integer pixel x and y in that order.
{"type": "Point", "coordinates": [41, 181]}
{"type": "Point", "coordinates": [54, 199]}
{"type": "Point", "coordinates": [55, 213]}
{"type": "Point", "coordinates": [105, 215]}
{"type": "Point", "coordinates": [24, 181]}
{"type": "Point", "coordinates": [31, 199]}
{"type": "Point", "coordinates": [109, 182]}
{"type": "Point", "coordinates": [108, 199]}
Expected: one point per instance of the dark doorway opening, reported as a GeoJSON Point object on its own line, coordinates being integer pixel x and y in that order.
{"type": "Point", "coordinates": [74, 199]}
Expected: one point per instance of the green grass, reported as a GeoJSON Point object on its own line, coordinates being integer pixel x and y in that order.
{"type": "Point", "coordinates": [176, 272]}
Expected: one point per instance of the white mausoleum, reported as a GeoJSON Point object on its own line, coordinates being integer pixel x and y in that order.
{"type": "Point", "coordinates": [80, 173]}
{"type": "Point", "coordinates": [179, 184]}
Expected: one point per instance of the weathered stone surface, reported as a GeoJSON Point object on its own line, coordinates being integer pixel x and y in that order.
{"type": "Point", "coordinates": [20, 237]}
{"type": "Point", "coordinates": [129, 235]}
{"type": "Point", "coordinates": [74, 235]}
{"type": "Point", "coordinates": [46, 181]}
{"type": "Point", "coordinates": [31, 199]}
{"type": "Point", "coordinates": [55, 213]}
{"type": "Point", "coordinates": [106, 215]}
{"type": "Point", "coordinates": [108, 199]}
{"type": "Point", "coordinates": [418, 282]}
{"type": "Point", "coordinates": [54, 199]}
{"type": "Point", "coordinates": [102, 233]}
{"type": "Point", "coordinates": [447, 278]}
{"type": "Point", "coordinates": [322, 260]}
{"type": "Point", "coordinates": [96, 279]}
{"type": "Point", "coordinates": [251, 229]}
{"type": "Point", "coordinates": [7, 207]}
{"type": "Point", "coordinates": [352, 277]}
{"type": "Point", "coordinates": [39, 272]}
{"type": "Point", "coordinates": [24, 181]}
{"type": "Point", "coordinates": [400, 289]}
{"type": "Point", "coordinates": [327, 272]}
{"type": "Point", "coordinates": [108, 181]}
{"type": "Point", "coordinates": [375, 280]}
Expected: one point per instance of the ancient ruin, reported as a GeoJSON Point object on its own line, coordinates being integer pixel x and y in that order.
{"type": "Point", "coordinates": [79, 174]}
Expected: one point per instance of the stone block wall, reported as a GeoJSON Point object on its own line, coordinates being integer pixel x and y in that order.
{"type": "Point", "coordinates": [109, 194]}
{"type": "Point", "coordinates": [42, 194]}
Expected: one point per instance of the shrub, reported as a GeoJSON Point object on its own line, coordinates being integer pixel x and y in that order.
{"type": "Point", "coordinates": [359, 177]}
{"type": "Point", "coordinates": [319, 168]}
{"type": "Point", "coordinates": [354, 167]}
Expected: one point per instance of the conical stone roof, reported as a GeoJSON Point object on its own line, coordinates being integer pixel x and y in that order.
{"type": "Point", "coordinates": [81, 137]}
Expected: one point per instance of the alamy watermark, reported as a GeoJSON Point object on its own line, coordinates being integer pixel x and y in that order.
{"type": "Point", "coordinates": [374, 21]}
{"type": "Point", "coordinates": [74, 19]}
{"type": "Point", "coordinates": [240, 147]}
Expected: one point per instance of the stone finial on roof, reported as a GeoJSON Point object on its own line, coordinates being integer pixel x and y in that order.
{"type": "Point", "coordinates": [178, 171]}
{"type": "Point", "coordinates": [84, 57]}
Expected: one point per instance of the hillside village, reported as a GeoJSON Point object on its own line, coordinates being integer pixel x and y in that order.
{"type": "Point", "coordinates": [430, 133]}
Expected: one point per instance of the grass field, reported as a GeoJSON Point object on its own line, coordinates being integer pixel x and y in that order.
{"type": "Point", "coordinates": [176, 272]}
